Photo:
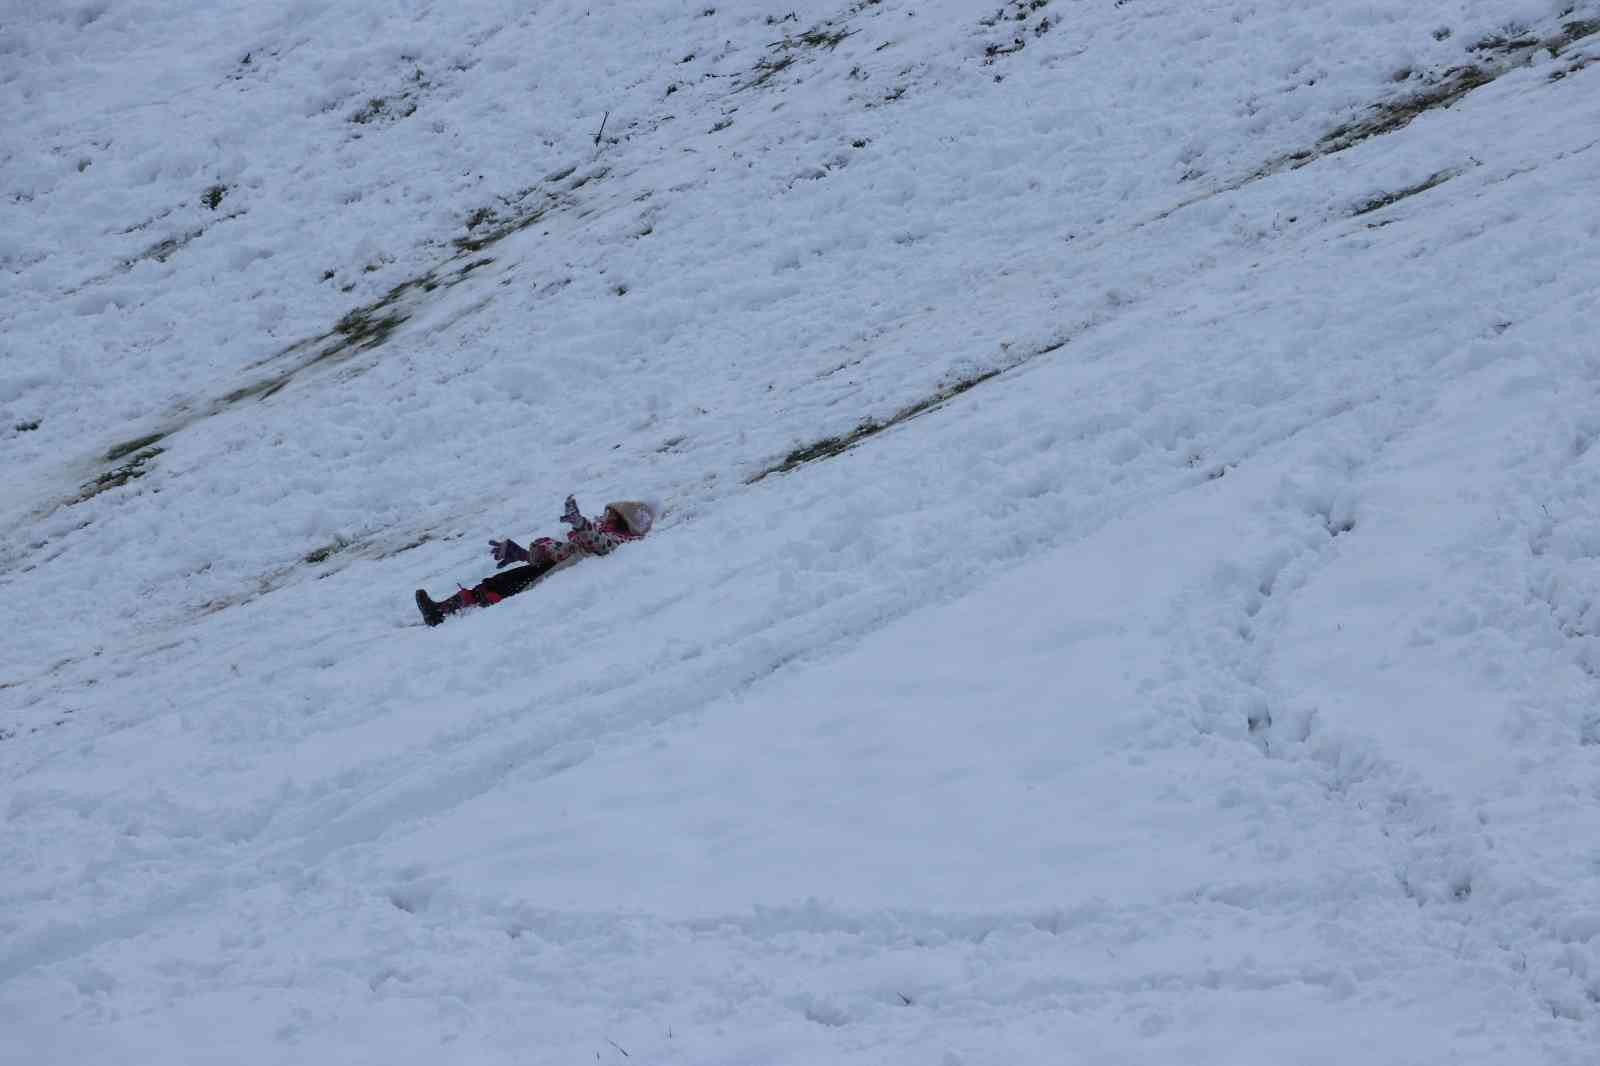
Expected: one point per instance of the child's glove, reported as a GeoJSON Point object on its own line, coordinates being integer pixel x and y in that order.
{"type": "Point", "coordinates": [506, 552]}
{"type": "Point", "coordinates": [572, 516]}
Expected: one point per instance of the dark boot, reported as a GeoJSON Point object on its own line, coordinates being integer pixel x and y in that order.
{"type": "Point", "coordinates": [433, 612]}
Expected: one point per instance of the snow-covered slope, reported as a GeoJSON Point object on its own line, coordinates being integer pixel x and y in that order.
{"type": "Point", "coordinates": [1130, 582]}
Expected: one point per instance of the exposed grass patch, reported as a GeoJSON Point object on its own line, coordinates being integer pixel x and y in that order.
{"type": "Point", "coordinates": [1514, 39]}
{"type": "Point", "coordinates": [487, 225]}
{"type": "Point", "coordinates": [1513, 50]}
{"type": "Point", "coordinates": [410, 545]}
{"type": "Point", "coordinates": [1505, 42]}
{"type": "Point", "coordinates": [363, 329]}
{"type": "Point", "coordinates": [27, 427]}
{"type": "Point", "coordinates": [1576, 30]}
{"type": "Point", "coordinates": [1397, 114]}
{"type": "Point", "coordinates": [766, 70]}
{"type": "Point", "coordinates": [146, 224]}
{"type": "Point", "coordinates": [370, 325]}
{"type": "Point", "coordinates": [825, 36]}
{"type": "Point", "coordinates": [340, 551]}
{"type": "Point", "coordinates": [212, 197]}
{"type": "Point", "coordinates": [163, 250]}
{"type": "Point", "coordinates": [1557, 75]}
{"type": "Point", "coordinates": [320, 555]}
{"type": "Point", "coordinates": [131, 470]}
{"type": "Point", "coordinates": [814, 38]}
{"type": "Point", "coordinates": [1570, 33]}
{"type": "Point", "coordinates": [497, 229]}
{"type": "Point", "coordinates": [828, 447]}
{"type": "Point", "coordinates": [359, 329]}
{"type": "Point", "coordinates": [117, 451]}
{"type": "Point", "coordinates": [394, 107]}
{"type": "Point", "coordinates": [373, 109]}
{"type": "Point", "coordinates": [267, 386]}
{"type": "Point", "coordinates": [1015, 18]}
{"type": "Point", "coordinates": [1430, 182]}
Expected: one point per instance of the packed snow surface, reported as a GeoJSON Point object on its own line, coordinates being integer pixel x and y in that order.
{"type": "Point", "coordinates": [1129, 582]}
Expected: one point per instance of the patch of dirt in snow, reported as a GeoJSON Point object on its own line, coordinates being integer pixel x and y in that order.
{"type": "Point", "coordinates": [1438, 90]}
{"type": "Point", "coordinates": [1432, 181]}
{"type": "Point", "coordinates": [1499, 57]}
{"type": "Point", "coordinates": [361, 329]}
{"type": "Point", "coordinates": [1014, 24]}
{"type": "Point", "coordinates": [828, 447]}
{"type": "Point", "coordinates": [520, 213]}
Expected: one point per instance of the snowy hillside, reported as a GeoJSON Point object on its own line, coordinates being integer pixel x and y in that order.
{"type": "Point", "coordinates": [1129, 588]}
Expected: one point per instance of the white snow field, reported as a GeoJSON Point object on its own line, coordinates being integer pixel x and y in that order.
{"type": "Point", "coordinates": [1129, 585]}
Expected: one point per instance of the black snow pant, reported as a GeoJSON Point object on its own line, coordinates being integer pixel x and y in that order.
{"type": "Point", "coordinates": [497, 587]}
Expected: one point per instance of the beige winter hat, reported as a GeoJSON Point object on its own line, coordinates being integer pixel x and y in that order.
{"type": "Point", "coordinates": [639, 516]}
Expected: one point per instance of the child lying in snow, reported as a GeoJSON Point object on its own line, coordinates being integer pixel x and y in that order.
{"type": "Point", "coordinates": [623, 521]}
